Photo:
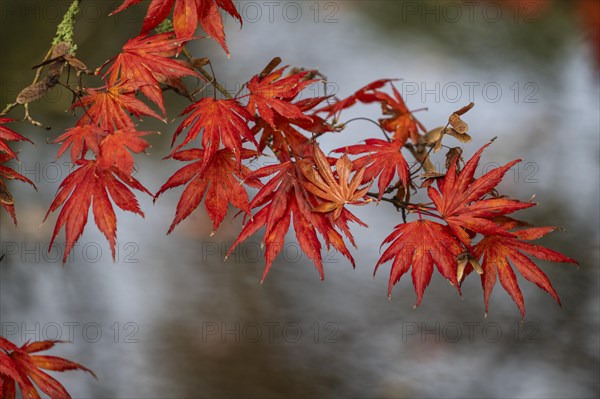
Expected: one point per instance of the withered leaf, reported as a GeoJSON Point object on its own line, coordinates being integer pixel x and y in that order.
{"type": "Point", "coordinates": [462, 137]}
{"type": "Point", "coordinates": [465, 109]}
{"type": "Point", "coordinates": [458, 124]}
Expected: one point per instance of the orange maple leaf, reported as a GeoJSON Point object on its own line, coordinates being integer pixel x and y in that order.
{"type": "Point", "coordinates": [336, 193]}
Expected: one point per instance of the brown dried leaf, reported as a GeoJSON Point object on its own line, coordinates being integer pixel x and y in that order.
{"type": "Point", "coordinates": [5, 196]}
{"type": "Point", "coordinates": [453, 154]}
{"type": "Point", "coordinates": [465, 109]}
{"type": "Point", "coordinates": [458, 124]}
{"type": "Point", "coordinates": [433, 135]}
{"type": "Point", "coordinates": [462, 137]}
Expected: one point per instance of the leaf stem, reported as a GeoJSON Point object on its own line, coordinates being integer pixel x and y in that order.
{"type": "Point", "coordinates": [207, 75]}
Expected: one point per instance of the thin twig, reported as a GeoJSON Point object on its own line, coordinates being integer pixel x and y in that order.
{"type": "Point", "coordinates": [207, 75]}
{"type": "Point", "coordinates": [399, 204]}
{"type": "Point", "coordinates": [373, 122]}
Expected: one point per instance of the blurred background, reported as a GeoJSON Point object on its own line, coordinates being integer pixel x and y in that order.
{"type": "Point", "coordinates": [170, 319]}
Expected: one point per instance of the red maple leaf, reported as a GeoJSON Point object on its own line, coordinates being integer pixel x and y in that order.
{"type": "Point", "coordinates": [145, 61]}
{"type": "Point", "coordinates": [364, 94]}
{"type": "Point", "coordinates": [108, 107]}
{"type": "Point", "coordinates": [221, 181]}
{"type": "Point", "coordinates": [283, 199]}
{"type": "Point", "coordinates": [18, 366]}
{"type": "Point", "coordinates": [285, 137]}
{"type": "Point", "coordinates": [384, 160]}
{"type": "Point", "coordinates": [221, 121]}
{"type": "Point", "coordinates": [498, 252]}
{"type": "Point", "coordinates": [272, 95]}
{"type": "Point", "coordinates": [322, 183]}
{"type": "Point", "coordinates": [186, 16]}
{"type": "Point", "coordinates": [113, 149]}
{"type": "Point", "coordinates": [80, 138]}
{"type": "Point", "coordinates": [459, 199]}
{"type": "Point", "coordinates": [6, 199]}
{"type": "Point", "coordinates": [421, 244]}
{"type": "Point", "coordinates": [90, 185]}
{"type": "Point", "coordinates": [6, 173]}
{"type": "Point", "coordinates": [7, 134]}
{"type": "Point", "coordinates": [401, 122]}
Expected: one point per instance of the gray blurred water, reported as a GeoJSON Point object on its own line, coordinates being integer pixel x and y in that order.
{"type": "Point", "coordinates": [170, 319]}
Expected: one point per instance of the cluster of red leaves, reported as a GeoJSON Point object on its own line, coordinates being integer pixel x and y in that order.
{"type": "Point", "coordinates": [468, 221]}
{"type": "Point", "coordinates": [107, 133]}
{"type": "Point", "coordinates": [18, 366]}
{"type": "Point", "coordinates": [302, 186]}
{"type": "Point", "coordinates": [470, 207]}
{"type": "Point", "coordinates": [466, 226]}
